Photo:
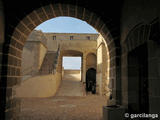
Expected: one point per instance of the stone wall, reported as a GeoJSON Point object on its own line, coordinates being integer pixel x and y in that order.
{"type": "Point", "coordinates": [77, 43]}
{"type": "Point", "coordinates": [67, 36]}
{"type": "Point", "coordinates": [102, 67]}
{"type": "Point", "coordinates": [32, 57]}
{"type": "Point", "coordinates": [38, 35]}
{"type": "Point", "coordinates": [138, 18]}
{"type": "Point", "coordinates": [42, 53]}
{"type": "Point", "coordinates": [33, 53]}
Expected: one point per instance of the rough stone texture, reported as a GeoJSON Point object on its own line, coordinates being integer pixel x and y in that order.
{"type": "Point", "coordinates": [33, 53]}
{"type": "Point", "coordinates": [103, 68]}
{"type": "Point", "coordinates": [32, 57]}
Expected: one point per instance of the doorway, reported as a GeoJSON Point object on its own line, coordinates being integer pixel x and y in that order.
{"type": "Point", "coordinates": [91, 80]}
{"type": "Point", "coordinates": [138, 99]}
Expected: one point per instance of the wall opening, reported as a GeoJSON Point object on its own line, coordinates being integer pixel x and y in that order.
{"type": "Point", "coordinates": [72, 63]}
{"type": "Point", "coordinates": [72, 66]}
{"type": "Point", "coordinates": [91, 80]}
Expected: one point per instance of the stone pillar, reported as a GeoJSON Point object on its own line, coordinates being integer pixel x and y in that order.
{"type": "Point", "coordinates": [105, 81]}
{"type": "Point", "coordinates": [84, 67]}
{"type": "Point", "coordinates": [99, 70]}
{"type": "Point", "coordinates": [81, 70]}
{"type": "Point", "coordinates": [59, 63]}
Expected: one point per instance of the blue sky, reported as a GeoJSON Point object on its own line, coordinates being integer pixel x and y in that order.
{"type": "Point", "coordinates": [67, 25]}
{"type": "Point", "coordinates": [72, 62]}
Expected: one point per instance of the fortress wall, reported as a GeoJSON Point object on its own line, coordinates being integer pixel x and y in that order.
{"type": "Point", "coordinates": [52, 45]}
{"type": "Point", "coordinates": [32, 57]}
{"type": "Point", "coordinates": [78, 45]}
{"type": "Point", "coordinates": [76, 36]}
{"type": "Point", "coordinates": [64, 40]}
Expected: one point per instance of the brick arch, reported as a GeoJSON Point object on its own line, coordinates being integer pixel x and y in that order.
{"type": "Point", "coordinates": [141, 33]}
{"type": "Point", "coordinates": [138, 35]}
{"type": "Point", "coordinates": [91, 53]}
{"type": "Point", "coordinates": [38, 16]}
{"type": "Point", "coordinates": [12, 49]}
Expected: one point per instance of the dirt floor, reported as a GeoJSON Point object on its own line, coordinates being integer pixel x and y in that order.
{"type": "Point", "coordinates": [63, 108]}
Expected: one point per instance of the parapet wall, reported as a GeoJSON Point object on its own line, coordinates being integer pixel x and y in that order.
{"type": "Point", "coordinates": [73, 40]}
{"type": "Point", "coordinates": [67, 71]}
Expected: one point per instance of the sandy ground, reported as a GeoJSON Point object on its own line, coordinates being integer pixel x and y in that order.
{"type": "Point", "coordinates": [63, 108]}
{"type": "Point", "coordinates": [70, 103]}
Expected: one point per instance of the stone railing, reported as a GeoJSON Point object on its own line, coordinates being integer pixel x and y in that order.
{"type": "Point", "coordinates": [56, 60]}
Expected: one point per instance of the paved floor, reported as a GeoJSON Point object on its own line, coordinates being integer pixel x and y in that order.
{"type": "Point", "coordinates": [70, 103]}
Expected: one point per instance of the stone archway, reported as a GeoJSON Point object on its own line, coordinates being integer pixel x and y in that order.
{"type": "Point", "coordinates": [11, 54]}
{"type": "Point", "coordinates": [137, 99]}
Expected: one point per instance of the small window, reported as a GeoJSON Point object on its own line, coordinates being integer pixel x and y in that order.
{"type": "Point", "coordinates": [71, 37]}
{"type": "Point", "coordinates": [54, 37]}
{"type": "Point", "coordinates": [88, 37]}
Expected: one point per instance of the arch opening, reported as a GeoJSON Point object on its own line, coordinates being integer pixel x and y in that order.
{"type": "Point", "coordinates": [61, 45]}
{"type": "Point", "coordinates": [23, 29]}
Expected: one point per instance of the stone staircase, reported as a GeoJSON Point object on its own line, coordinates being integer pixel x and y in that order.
{"type": "Point", "coordinates": [49, 63]}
